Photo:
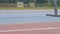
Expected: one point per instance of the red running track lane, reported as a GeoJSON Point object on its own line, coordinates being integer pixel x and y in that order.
{"type": "Point", "coordinates": [26, 27]}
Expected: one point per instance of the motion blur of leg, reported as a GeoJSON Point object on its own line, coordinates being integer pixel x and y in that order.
{"type": "Point", "coordinates": [55, 10]}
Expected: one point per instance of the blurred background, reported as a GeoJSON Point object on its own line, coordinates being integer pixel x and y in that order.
{"type": "Point", "coordinates": [21, 4]}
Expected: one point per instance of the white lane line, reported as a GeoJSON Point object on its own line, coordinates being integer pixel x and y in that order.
{"type": "Point", "coordinates": [48, 28]}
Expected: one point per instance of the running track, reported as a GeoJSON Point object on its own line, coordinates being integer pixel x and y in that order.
{"type": "Point", "coordinates": [35, 22]}
{"type": "Point", "coordinates": [32, 28]}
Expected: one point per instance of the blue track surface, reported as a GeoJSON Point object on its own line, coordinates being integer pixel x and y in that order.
{"type": "Point", "coordinates": [23, 16]}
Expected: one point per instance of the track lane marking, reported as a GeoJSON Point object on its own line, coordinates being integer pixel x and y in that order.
{"type": "Point", "coordinates": [48, 28]}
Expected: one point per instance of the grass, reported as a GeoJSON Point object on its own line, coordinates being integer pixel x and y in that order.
{"type": "Point", "coordinates": [27, 8]}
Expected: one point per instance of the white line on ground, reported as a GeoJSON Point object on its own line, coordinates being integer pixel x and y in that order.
{"type": "Point", "coordinates": [48, 28]}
